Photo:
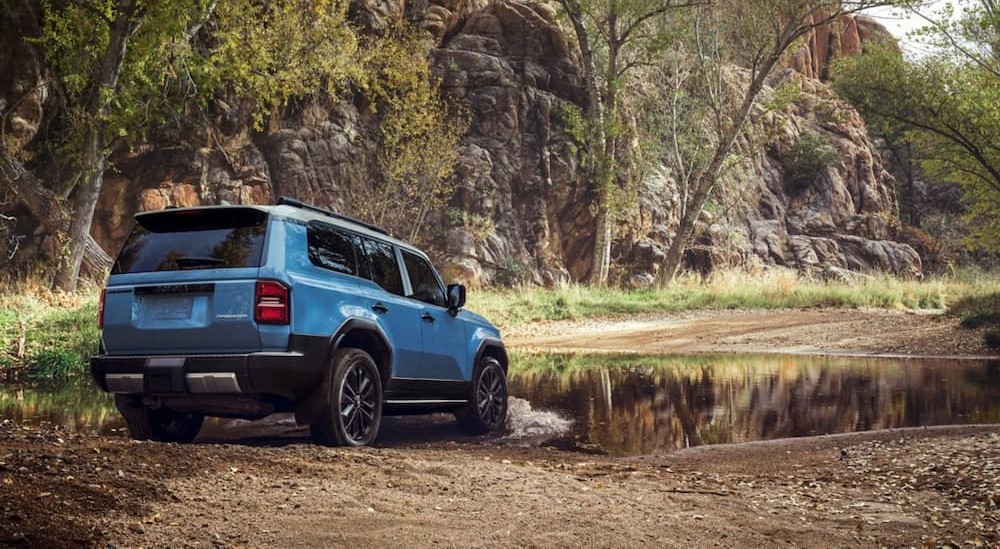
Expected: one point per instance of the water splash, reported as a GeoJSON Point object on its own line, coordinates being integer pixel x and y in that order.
{"type": "Point", "coordinates": [527, 425]}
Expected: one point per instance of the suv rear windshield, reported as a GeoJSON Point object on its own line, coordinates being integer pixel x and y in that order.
{"type": "Point", "coordinates": [193, 239]}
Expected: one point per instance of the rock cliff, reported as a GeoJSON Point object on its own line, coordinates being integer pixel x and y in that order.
{"type": "Point", "coordinates": [510, 64]}
{"type": "Point", "coordinates": [843, 38]}
{"type": "Point", "coordinates": [837, 221]}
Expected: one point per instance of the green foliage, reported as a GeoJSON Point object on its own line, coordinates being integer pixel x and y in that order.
{"type": "Point", "coordinates": [511, 273]}
{"type": "Point", "coordinates": [160, 73]}
{"type": "Point", "coordinates": [574, 124]}
{"type": "Point", "coordinates": [807, 159]}
{"type": "Point", "coordinates": [476, 225]}
{"type": "Point", "coordinates": [277, 50]}
{"type": "Point", "coordinates": [268, 52]}
{"type": "Point", "coordinates": [945, 105]}
{"type": "Point", "coordinates": [980, 311]}
{"type": "Point", "coordinates": [785, 95]}
{"type": "Point", "coordinates": [418, 135]}
{"type": "Point", "coordinates": [44, 335]}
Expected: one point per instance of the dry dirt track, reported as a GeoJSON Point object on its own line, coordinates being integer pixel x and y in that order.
{"type": "Point", "coordinates": [921, 487]}
{"type": "Point", "coordinates": [809, 331]}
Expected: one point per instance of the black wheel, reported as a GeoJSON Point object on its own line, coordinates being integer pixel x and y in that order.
{"type": "Point", "coordinates": [354, 413]}
{"type": "Point", "coordinates": [487, 409]}
{"type": "Point", "coordinates": [163, 425]}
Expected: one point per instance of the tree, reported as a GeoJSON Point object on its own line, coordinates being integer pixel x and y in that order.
{"type": "Point", "coordinates": [615, 37]}
{"type": "Point", "coordinates": [946, 104]}
{"type": "Point", "coordinates": [107, 95]}
{"type": "Point", "coordinates": [104, 83]}
{"type": "Point", "coordinates": [130, 69]}
{"type": "Point", "coordinates": [754, 37]}
{"type": "Point", "coordinates": [418, 137]}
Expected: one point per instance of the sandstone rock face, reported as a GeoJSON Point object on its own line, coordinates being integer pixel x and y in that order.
{"type": "Point", "coordinates": [843, 37]}
{"type": "Point", "coordinates": [512, 66]}
{"type": "Point", "coordinates": [523, 210]}
{"type": "Point", "coordinates": [834, 225]}
{"type": "Point", "coordinates": [25, 85]}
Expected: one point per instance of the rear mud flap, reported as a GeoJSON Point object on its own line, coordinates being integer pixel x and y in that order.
{"type": "Point", "coordinates": [308, 408]}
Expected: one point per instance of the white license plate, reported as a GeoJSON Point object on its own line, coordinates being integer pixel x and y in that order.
{"type": "Point", "coordinates": [172, 308]}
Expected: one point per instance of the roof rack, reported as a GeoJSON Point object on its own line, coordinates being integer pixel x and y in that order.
{"type": "Point", "coordinates": [286, 201]}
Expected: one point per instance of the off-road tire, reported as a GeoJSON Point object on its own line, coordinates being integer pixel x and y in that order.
{"type": "Point", "coordinates": [487, 408]}
{"type": "Point", "coordinates": [354, 396]}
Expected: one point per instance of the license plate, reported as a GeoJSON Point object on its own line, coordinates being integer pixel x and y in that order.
{"type": "Point", "coordinates": [172, 308]}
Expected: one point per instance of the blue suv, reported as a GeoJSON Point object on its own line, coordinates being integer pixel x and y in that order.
{"type": "Point", "coordinates": [244, 311]}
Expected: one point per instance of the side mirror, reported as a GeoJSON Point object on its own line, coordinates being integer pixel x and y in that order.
{"type": "Point", "coordinates": [456, 298]}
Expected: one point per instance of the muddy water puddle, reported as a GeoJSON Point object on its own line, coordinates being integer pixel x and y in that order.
{"type": "Point", "coordinates": [631, 405]}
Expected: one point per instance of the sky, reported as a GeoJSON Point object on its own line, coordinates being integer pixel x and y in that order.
{"type": "Point", "coordinates": [900, 22]}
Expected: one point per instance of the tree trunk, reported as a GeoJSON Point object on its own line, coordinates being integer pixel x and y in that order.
{"type": "Point", "coordinates": [706, 181]}
{"type": "Point", "coordinates": [94, 153]}
{"type": "Point", "coordinates": [49, 209]}
{"type": "Point", "coordinates": [596, 115]}
{"type": "Point", "coordinates": [602, 245]}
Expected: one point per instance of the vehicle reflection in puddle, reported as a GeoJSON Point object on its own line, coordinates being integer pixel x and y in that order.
{"type": "Point", "coordinates": [629, 405]}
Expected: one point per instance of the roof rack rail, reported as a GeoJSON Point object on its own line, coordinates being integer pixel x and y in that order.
{"type": "Point", "coordinates": [287, 201]}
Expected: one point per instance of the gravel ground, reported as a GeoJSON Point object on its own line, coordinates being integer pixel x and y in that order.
{"type": "Point", "coordinates": [935, 487]}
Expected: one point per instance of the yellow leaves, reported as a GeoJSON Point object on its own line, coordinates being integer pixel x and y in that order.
{"type": "Point", "coordinates": [283, 49]}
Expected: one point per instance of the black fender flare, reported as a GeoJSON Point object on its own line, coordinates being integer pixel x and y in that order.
{"type": "Point", "coordinates": [489, 344]}
{"type": "Point", "coordinates": [308, 409]}
{"type": "Point", "coordinates": [341, 336]}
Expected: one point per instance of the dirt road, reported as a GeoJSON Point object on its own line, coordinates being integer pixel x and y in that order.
{"type": "Point", "coordinates": [921, 487]}
{"type": "Point", "coordinates": [809, 331]}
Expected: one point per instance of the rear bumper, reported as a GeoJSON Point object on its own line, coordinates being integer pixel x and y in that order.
{"type": "Point", "coordinates": [289, 375]}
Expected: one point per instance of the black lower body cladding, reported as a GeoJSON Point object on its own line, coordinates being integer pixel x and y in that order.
{"type": "Point", "coordinates": [289, 374]}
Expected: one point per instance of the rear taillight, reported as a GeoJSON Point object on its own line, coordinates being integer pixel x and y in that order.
{"type": "Point", "coordinates": [271, 304]}
{"type": "Point", "coordinates": [100, 309]}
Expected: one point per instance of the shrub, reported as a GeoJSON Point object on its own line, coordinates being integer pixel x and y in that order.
{"type": "Point", "coordinates": [805, 160]}
{"type": "Point", "coordinates": [992, 338]}
{"type": "Point", "coordinates": [511, 272]}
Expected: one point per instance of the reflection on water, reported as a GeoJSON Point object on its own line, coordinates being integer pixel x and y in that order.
{"type": "Point", "coordinates": [632, 405]}
{"type": "Point", "coordinates": [638, 405]}
{"type": "Point", "coordinates": [75, 404]}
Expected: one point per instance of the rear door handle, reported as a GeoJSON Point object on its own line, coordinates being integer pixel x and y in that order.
{"type": "Point", "coordinates": [380, 309]}
{"type": "Point", "coordinates": [427, 317]}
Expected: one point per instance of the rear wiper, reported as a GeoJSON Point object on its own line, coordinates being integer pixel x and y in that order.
{"type": "Point", "coordinates": [195, 262]}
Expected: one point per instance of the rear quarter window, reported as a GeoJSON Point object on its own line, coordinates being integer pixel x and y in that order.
{"type": "Point", "coordinates": [193, 239]}
{"type": "Point", "coordinates": [331, 249]}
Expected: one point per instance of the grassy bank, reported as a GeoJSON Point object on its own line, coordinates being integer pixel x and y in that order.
{"type": "Point", "coordinates": [778, 290]}
{"type": "Point", "coordinates": [45, 334]}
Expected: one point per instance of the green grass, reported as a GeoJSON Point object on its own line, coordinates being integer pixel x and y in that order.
{"type": "Point", "coordinates": [981, 311]}
{"type": "Point", "coordinates": [510, 308]}
{"type": "Point", "coordinates": [46, 334]}
{"type": "Point", "coordinates": [49, 335]}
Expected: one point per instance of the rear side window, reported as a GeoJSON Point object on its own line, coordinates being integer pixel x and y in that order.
{"type": "Point", "coordinates": [331, 249]}
{"type": "Point", "coordinates": [385, 270]}
{"type": "Point", "coordinates": [193, 239]}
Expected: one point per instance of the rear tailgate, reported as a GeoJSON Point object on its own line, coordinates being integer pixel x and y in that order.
{"type": "Point", "coordinates": [184, 283]}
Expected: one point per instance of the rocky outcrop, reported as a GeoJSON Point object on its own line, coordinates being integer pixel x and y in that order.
{"type": "Point", "coordinates": [523, 211]}
{"type": "Point", "coordinates": [511, 65]}
{"type": "Point", "coordinates": [836, 223]}
{"type": "Point", "coordinates": [844, 37]}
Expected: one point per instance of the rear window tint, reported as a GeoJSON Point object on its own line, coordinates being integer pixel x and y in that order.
{"type": "Point", "coordinates": [193, 239]}
{"type": "Point", "coordinates": [331, 249]}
